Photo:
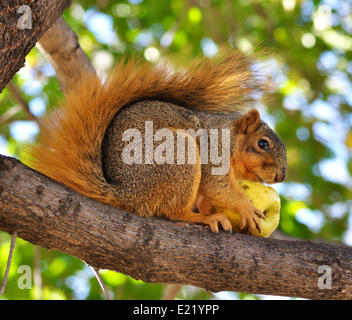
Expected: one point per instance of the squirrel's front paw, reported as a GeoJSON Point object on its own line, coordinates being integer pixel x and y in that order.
{"type": "Point", "coordinates": [249, 218]}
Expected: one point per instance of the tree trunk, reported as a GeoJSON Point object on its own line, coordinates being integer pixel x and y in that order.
{"type": "Point", "coordinates": [53, 216]}
{"type": "Point", "coordinates": [22, 23]}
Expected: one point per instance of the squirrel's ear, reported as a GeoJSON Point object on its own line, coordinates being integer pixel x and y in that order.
{"type": "Point", "coordinates": [248, 123]}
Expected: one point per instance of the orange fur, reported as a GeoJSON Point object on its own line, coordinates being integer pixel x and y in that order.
{"type": "Point", "coordinates": [70, 144]}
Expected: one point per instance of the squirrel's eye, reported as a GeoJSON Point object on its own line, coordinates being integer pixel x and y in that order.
{"type": "Point", "coordinates": [263, 144]}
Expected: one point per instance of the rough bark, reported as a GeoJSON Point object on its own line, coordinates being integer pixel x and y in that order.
{"type": "Point", "coordinates": [61, 48]}
{"type": "Point", "coordinates": [15, 41]}
{"type": "Point", "coordinates": [53, 216]}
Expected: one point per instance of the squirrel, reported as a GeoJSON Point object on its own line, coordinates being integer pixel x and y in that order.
{"type": "Point", "coordinates": [84, 143]}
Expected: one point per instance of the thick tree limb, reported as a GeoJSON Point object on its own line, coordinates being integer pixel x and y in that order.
{"type": "Point", "coordinates": [22, 23]}
{"type": "Point", "coordinates": [60, 46]}
{"type": "Point", "coordinates": [51, 215]}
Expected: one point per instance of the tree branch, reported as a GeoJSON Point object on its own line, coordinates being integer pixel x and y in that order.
{"type": "Point", "coordinates": [51, 215]}
{"type": "Point", "coordinates": [21, 28]}
{"type": "Point", "coordinates": [61, 48]}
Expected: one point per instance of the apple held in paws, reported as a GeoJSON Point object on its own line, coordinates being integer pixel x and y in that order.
{"type": "Point", "coordinates": [263, 198]}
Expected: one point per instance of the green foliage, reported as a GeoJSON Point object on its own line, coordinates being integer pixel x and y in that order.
{"type": "Point", "coordinates": [308, 46]}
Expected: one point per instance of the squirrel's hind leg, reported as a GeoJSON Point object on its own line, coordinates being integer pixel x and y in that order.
{"type": "Point", "coordinates": [202, 204]}
{"type": "Point", "coordinates": [204, 216]}
{"type": "Point", "coordinates": [191, 180]}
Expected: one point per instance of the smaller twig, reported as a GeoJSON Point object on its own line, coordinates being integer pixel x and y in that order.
{"type": "Point", "coordinates": [172, 30]}
{"type": "Point", "coordinates": [231, 20]}
{"type": "Point", "coordinates": [119, 291]}
{"type": "Point", "coordinates": [211, 16]}
{"type": "Point", "coordinates": [12, 247]}
{"type": "Point", "coordinates": [15, 92]}
{"type": "Point", "coordinates": [171, 291]}
{"type": "Point", "coordinates": [10, 113]}
{"type": "Point", "coordinates": [101, 283]}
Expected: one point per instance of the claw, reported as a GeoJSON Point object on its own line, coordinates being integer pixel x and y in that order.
{"type": "Point", "coordinates": [214, 226]}
{"type": "Point", "coordinates": [259, 214]}
{"type": "Point", "coordinates": [243, 223]}
{"type": "Point", "coordinates": [258, 226]}
{"type": "Point", "coordinates": [250, 220]}
{"type": "Point", "coordinates": [215, 219]}
{"type": "Point", "coordinates": [226, 225]}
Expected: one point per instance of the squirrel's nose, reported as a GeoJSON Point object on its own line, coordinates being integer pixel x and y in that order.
{"type": "Point", "coordinates": [279, 177]}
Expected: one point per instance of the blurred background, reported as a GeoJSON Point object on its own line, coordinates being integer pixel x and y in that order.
{"type": "Point", "coordinates": [309, 44]}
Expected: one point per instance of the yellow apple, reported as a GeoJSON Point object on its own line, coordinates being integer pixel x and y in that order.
{"type": "Point", "coordinates": [263, 198]}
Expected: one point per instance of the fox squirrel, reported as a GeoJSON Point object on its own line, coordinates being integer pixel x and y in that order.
{"type": "Point", "coordinates": [86, 144]}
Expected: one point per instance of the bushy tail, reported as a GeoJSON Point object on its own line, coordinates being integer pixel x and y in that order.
{"type": "Point", "coordinates": [69, 150]}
